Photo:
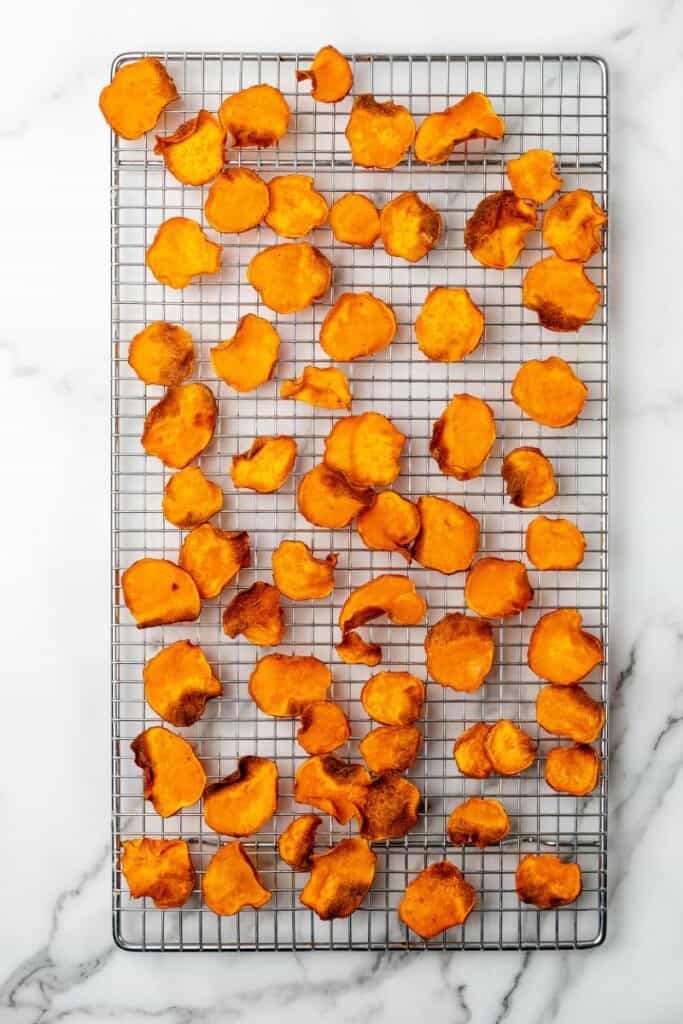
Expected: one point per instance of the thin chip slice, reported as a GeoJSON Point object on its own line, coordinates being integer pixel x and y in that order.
{"type": "Point", "coordinates": [390, 748]}
{"type": "Point", "coordinates": [190, 499]}
{"type": "Point", "coordinates": [326, 498]}
{"type": "Point", "coordinates": [158, 592]}
{"type": "Point", "coordinates": [529, 477]}
{"type": "Point", "coordinates": [181, 251]}
{"type": "Point", "coordinates": [560, 651]}
{"type": "Point", "coordinates": [335, 787]}
{"type": "Point", "coordinates": [256, 615]}
{"type": "Point", "coordinates": [391, 807]}
{"type": "Point", "coordinates": [213, 557]}
{"type": "Point", "coordinates": [449, 326]}
{"type": "Point", "coordinates": [379, 134]}
{"type": "Point", "coordinates": [282, 685]}
{"type": "Point", "coordinates": [231, 881]}
{"type": "Point", "coordinates": [393, 698]}
{"type": "Point", "coordinates": [478, 822]}
{"type": "Point", "coordinates": [532, 175]}
{"type": "Point", "coordinates": [391, 523]}
{"type": "Point", "coordinates": [340, 879]}
{"type": "Point", "coordinates": [448, 537]}
{"type": "Point", "coordinates": [561, 293]}
{"type": "Point", "coordinates": [257, 116]}
{"type": "Point", "coordinates": [180, 426]}
{"type": "Point", "coordinates": [366, 449]}
{"type": "Point", "coordinates": [359, 324]}
{"type": "Point", "coordinates": [330, 75]}
{"type": "Point", "coordinates": [570, 711]}
{"type": "Point", "coordinates": [510, 750]}
{"type": "Point", "coordinates": [549, 391]}
{"type": "Point", "coordinates": [574, 770]}
{"type": "Point", "coordinates": [195, 152]}
{"type": "Point", "coordinates": [388, 594]}
{"type": "Point", "coordinates": [173, 777]}
{"type": "Point", "coordinates": [248, 359]}
{"type": "Point", "coordinates": [238, 200]}
{"type": "Point", "coordinates": [158, 868]}
{"type": "Point", "coordinates": [472, 117]}
{"type": "Point", "coordinates": [554, 543]}
{"type": "Point", "coordinates": [354, 220]}
{"type": "Point", "coordinates": [496, 587]}
{"type": "Point", "coordinates": [409, 227]}
{"type": "Point", "coordinates": [463, 436]}
{"type": "Point", "coordinates": [354, 650]}
{"type": "Point", "coordinates": [496, 232]}
{"type": "Point", "coordinates": [573, 226]}
{"type": "Point", "coordinates": [162, 354]}
{"type": "Point", "coordinates": [290, 277]}
{"type": "Point", "coordinates": [178, 683]}
{"type": "Point", "coordinates": [242, 803]}
{"type": "Point", "coordinates": [297, 842]}
{"type": "Point", "coordinates": [134, 99]}
{"type": "Point", "coordinates": [324, 727]}
{"type": "Point", "coordinates": [436, 899]}
{"type": "Point", "coordinates": [324, 387]}
{"type": "Point", "coordinates": [459, 651]}
{"type": "Point", "coordinates": [469, 752]}
{"type": "Point", "coordinates": [546, 881]}
{"type": "Point", "coordinates": [295, 206]}
{"type": "Point", "coordinates": [299, 575]}
{"type": "Point", "coordinates": [265, 466]}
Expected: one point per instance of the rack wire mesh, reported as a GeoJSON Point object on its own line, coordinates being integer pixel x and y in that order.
{"type": "Point", "coordinates": [554, 102]}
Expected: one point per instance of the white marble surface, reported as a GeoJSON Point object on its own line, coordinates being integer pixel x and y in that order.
{"type": "Point", "coordinates": [57, 960]}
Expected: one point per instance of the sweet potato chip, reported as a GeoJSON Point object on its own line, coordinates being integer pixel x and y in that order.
{"type": "Point", "coordinates": [529, 477]}
{"type": "Point", "coordinates": [334, 786]}
{"type": "Point", "coordinates": [560, 651]}
{"type": "Point", "coordinates": [463, 436]}
{"type": "Point", "coordinates": [391, 806]}
{"type": "Point", "coordinates": [195, 152]}
{"type": "Point", "coordinates": [354, 650]}
{"type": "Point", "coordinates": [359, 324]}
{"type": "Point", "coordinates": [178, 682]}
{"type": "Point", "coordinates": [532, 175]}
{"type": "Point", "coordinates": [291, 276]}
{"type": "Point", "coordinates": [459, 651]}
{"type": "Point", "coordinates": [472, 117]}
{"type": "Point", "coordinates": [330, 75]}
{"type": "Point", "coordinates": [546, 881]}
{"type": "Point", "coordinates": [509, 749]}
{"type": "Point", "coordinates": [324, 727]}
{"type": "Point", "coordinates": [158, 592]}
{"type": "Point", "coordinates": [496, 231]}
{"type": "Point", "coordinates": [324, 387]}
{"type": "Point", "coordinates": [190, 499]}
{"type": "Point", "coordinates": [297, 842]}
{"type": "Point", "coordinates": [379, 134]}
{"type": "Point", "coordinates": [561, 293]}
{"type": "Point", "coordinates": [496, 587]}
{"type": "Point", "coordinates": [160, 869]}
{"type": "Point", "coordinates": [242, 802]}
{"type": "Point", "coordinates": [366, 449]}
{"type": "Point", "coordinates": [409, 227]}
{"type": "Point", "coordinates": [340, 879]}
{"type": "Point", "coordinates": [162, 354]}
{"type": "Point", "coordinates": [213, 557]}
{"type": "Point", "coordinates": [393, 698]}
{"type": "Point", "coordinates": [238, 200]}
{"type": "Point", "coordinates": [248, 359]}
{"type": "Point", "coordinates": [574, 770]}
{"type": "Point", "coordinates": [448, 537]}
{"type": "Point", "coordinates": [390, 747]}
{"type": "Point", "coordinates": [282, 685]}
{"type": "Point", "coordinates": [326, 498]}
{"type": "Point", "coordinates": [436, 899]}
{"type": "Point", "coordinates": [181, 425]}
{"type": "Point", "coordinates": [135, 97]}
{"type": "Point", "coordinates": [295, 206]}
{"type": "Point", "coordinates": [265, 466]}
{"type": "Point", "coordinates": [469, 751]}
{"type": "Point", "coordinates": [256, 614]}
{"type": "Point", "coordinates": [549, 391]}
{"type": "Point", "coordinates": [478, 822]}
{"type": "Point", "coordinates": [573, 226]}
{"type": "Point", "coordinates": [173, 777]}
{"type": "Point", "coordinates": [389, 594]}
{"type": "Point", "coordinates": [181, 251]}
{"type": "Point", "coordinates": [231, 881]}
{"type": "Point", "coordinates": [554, 543]}
{"type": "Point", "coordinates": [299, 575]}
{"type": "Point", "coordinates": [571, 712]}
{"type": "Point", "coordinates": [257, 116]}
{"type": "Point", "coordinates": [354, 220]}
{"type": "Point", "coordinates": [449, 326]}
{"type": "Point", "coordinates": [391, 523]}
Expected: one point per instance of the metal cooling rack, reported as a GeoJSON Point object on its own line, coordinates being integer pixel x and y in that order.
{"type": "Point", "coordinates": [555, 102]}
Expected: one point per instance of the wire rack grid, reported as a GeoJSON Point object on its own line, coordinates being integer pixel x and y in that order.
{"type": "Point", "coordinates": [555, 102]}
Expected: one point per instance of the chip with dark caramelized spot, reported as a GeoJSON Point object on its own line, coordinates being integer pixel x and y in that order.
{"type": "Point", "coordinates": [463, 436]}
{"type": "Point", "coordinates": [265, 466]}
{"type": "Point", "coordinates": [324, 727]}
{"type": "Point", "coordinates": [354, 650]}
{"type": "Point", "coordinates": [390, 748]}
{"type": "Point", "coordinates": [391, 807]}
{"type": "Point", "coordinates": [257, 116]}
{"type": "Point", "coordinates": [546, 881]}
{"type": "Point", "coordinates": [334, 786]}
{"type": "Point", "coordinates": [392, 595]}
{"type": "Point", "coordinates": [326, 498]}
{"type": "Point", "coordinates": [459, 651]}
{"type": "Point", "coordinates": [297, 842]}
{"type": "Point", "coordinates": [241, 803]}
{"type": "Point", "coordinates": [340, 879]}
{"type": "Point", "coordinates": [496, 231]}
{"type": "Point", "coordinates": [158, 868]}
{"type": "Point", "coordinates": [256, 614]}
{"type": "Point", "coordinates": [409, 227]}
{"type": "Point", "coordinates": [162, 353]}
{"type": "Point", "coordinates": [214, 557]}
{"type": "Point", "coordinates": [190, 498]}
{"type": "Point", "coordinates": [173, 777]}
{"type": "Point", "coordinates": [379, 134]}
{"type": "Point", "coordinates": [181, 425]}
{"type": "Point", "coordinates": [561, 293]}
{"type": "Point", "coordinates": [391, 523]}
{"type": "Point", "coordinates": [478, 822]}
{"type": "Point", "coordinates": [178, 683]}
{"type": "Point", "coordinates": [529, 477]}
{"type": "Point", "coordinates": [330, 75]}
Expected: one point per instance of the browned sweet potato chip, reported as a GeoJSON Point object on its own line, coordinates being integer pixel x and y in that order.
{"type": "Point", "coordinates": [391, 806]}
{"type": "Point", "coordinates": [238, 200]}
{"type": "Point", "coordinates": [195, 152]}
{"type": "Point", "coordinates": [327, 499]}
{"type": "Point", "coordinates": [181, 251]}
{"type": "Point", "coordinates": [496, 587]}
{"type": "Point", "coordinates": [391, 523]}
{"type": "Point", "coordinates": [324, 387]}
{"type": "Point", "coordinates": [573, 226]}
{"type": "Point", "coordinates": [295, 206]}
{"type": "Point", "coordinates": [257, 116]}
{"type": "Point", "coordinates": [257, 615]}
{"type": "Point", "coordinates": [231, 881]}
{"type": "Point", "coordinates": [330, 75]}
{"type": "Point", "coordinates": [496, 231]}
{"type": "Point", "coordinates": [158, 592]}
{"type": "Point", "coordinates": [366, 449]}
{"type": "Point", "coordinates": [297, 842]}
{"type": "Point", "coordinates": [190, 499]}
{"type": "Point", "coordinates": [463, 436]}
{"type": "Point", "coordinates": [529, 477]}
{"type": "Point", "coordinates": [354, 650]}
{"type": "Point", "coordinates": [546, 881]}
{"type": "Point", "coordinates": [340, 879]}
{"type": "Point", "coordinates": [334, 786]}
{"type": "Point", "coordinates": [379, 134]}
{"type": "Point", "coordinates": [354, 220]}
{"type": "Point", "coordinates": [392, 595]}
{"type": "Point", "coordinates": [449, 326]}
{"type": "Point", "coordinates": [549, 391]}
{"type": "Point", "coordinates": [135, 97]}
{"type": "Point", "coordinates": [324, 727]}
{"type": "Point", "coordinates": [265, 466]}
{"type": "Point", "coordinates": [178, 682]}
{"type": "Point", "coordinates": [436, 899]}
{"type": "Point", "coordinates": [571, 712]}
{"type": "Point", "coordinates": [554, 543]}
{"type": "Point", "coordinates": [282, 685]}
{"type": "Point", "coordinates": [160, 869]}
{"type": "Point", "coordinates": [561, 294]}
{"type": "Point", "coordinates": [393, 698]}
{"type": "Point", "coordinates": [409, 227]}
{"type": "Point", "coordinates": [291, 276]}
{"type": "Point", "coordinates": [472, 117]}
{"type": "Point", "coordinates": [478, 822]}
{"type": "Point", "coordinates": [574, 770]}
{"type": "Point", "coordinates": [459, 651]}
{"type": "Point", "coordinates": [213, 557]}
{"type": "Point", "coordinates": [358, 325]}
{"type": "Point", "coordinates": [509, 749]}
{"type": "Point", "coordinates": [390, 747]}
{"type": "Point", "coordinates": [181, 425]}
{"type": "Point", "coordinates": [469, 751]}
{"type": "Point", "coordinates": [299, 575]}
{"type": "Point", "coordinates": [448, 537]}
{"type": "Point", "coordinates": [532, 175]}
{"type": "Point", "coordinates": [172, 774]}
{"type": "Point", "coordinates": [248, 358]}
{"type": "Point", "coordinates": [560, 651]}
{"type": "Point", "coordinates": [162, 354]}
{"type": "Point", "coordinates": [241, 803]}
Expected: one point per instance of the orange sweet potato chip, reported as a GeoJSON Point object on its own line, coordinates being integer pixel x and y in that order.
{"type": "Point", "coordinates": [570, 711]}
{"type": "Point", "coordinates": [241, 803]}
{"type": "Point", "coordinates": [529, 477]}
{"type": "Point", "coordinates": [213, 557]}
{"type": "Point", "coordinates": [291, 276]}
{"type": "Point", "coordinates": [409, 227]}
{"type": "Point", "coordinates": [546, 881]}
{"type": "Point", "coordinates": [297, 842]}
{"type": "Point", "coordinates": [178, 682]}
{"type": "Point", "coordinates": [354, 220]}
{"type": "Point", "coordinates": [231, 881]}
{"type": "Point", "coordinates": [393, 698]}
{"type": "Point", "coordinates": [469, 751]}
{"type": "Point", "coordinates": [532, 175]}
{"type": "Point", "coordinates": [136, 96]}
{"type": "Point", "coordinates": [549, 391]}
{"type": "Point", "coordinates": [181, 251]}
{"type": "Point", "coordinates": [295, 206]}
{"type": "Point", "coordinates": [181, 425]}
{"type": "Point", "coordinates": [449, 326]}
{"type": "Point", "coordinates": [478, 822]}
{"type": "Point", "coordinates": [496, 231]}
{"type": "Point", "coordinates": [389, 594]}
{"type": "Point", "coordinates": [162, 354]}
{"type": "Point", "coordinates": [391, 523]}
{"type": "Point", "coordinates": [330, 75]}
{"type": "Point", "coordinates": [359, 324]}
{"type": "Point", "coordinates": [256, 614]}
{"type": "Point", "coordinates": [472, 117]}
{"type": "Point", "coordinates": [366, 449]}
{"type": "Point", "coordinates": [391, 807]}
{"type": "Point", "coordinates": [463, 436]}
{"type": "Point", "coordinates": [459, 651]}
{"type": "Point", "coordinates": [326, 498]}
{"type": "Point", "coordinates": [574, 770]}
{"type": "Point", "coordinates": [282, 685]}
{"type": "Point", "coordinates": [340, 879]}
{"type": "Point", "coordinates": [190, 499]}
{"type": "Point", "coordinates": [248, 359]}
{"type": "Point", "coordinates": [437, 899]}
{"type": "Point", "coordinates": [390, 747]}
{"type": "Point", "coordinates": [560, 651]}
{"type": "Point", "coordinates": [158, 868]}
{"type": "Point", "coordinates": [554, 543]}
{"type": "Point", "coordinates": [354, 650]}
{"type": "Point", "coordinates": [238, 200]}
{"type": "Point", "coordinates": [257, 116]}
{"type": "Point", "coordinates": [158, 592]}
{"type": "Point", "coordinates": [448, 537]}
{"type": "Point", "coordinates": [573, 226]}
{"type": "Point", "coordinates": [510, 750]}
{"type": "Point", "coordinates": [265, 466]}
{"type": "Point", "coordinates": [173, 777]}
{"type": "Point", "coordinates": [299, 575]}
{"type": "Point", "coordinates": [379, 134]}
{"type": "Point", "coordinates": [324, 727]}
{"type": "Point", "coordinates": [195, 152]}
{"type": "Point", "coordinates": [561, 294]}
{"type": "Point", "coordinates": [334, 786]}
{"type": "Point", "coordinates": [496, 587]}
{"type": "Point", "coordinates": [324, 387]}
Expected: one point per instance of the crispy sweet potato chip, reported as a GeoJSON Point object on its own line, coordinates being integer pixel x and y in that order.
{"type": "Point", "coordinates": [574, 770]}
{"type": "Point", "coordinates": [366, 449]}
{"type": "Point", "coordinates": [295, 206]}
{"type": "Point", "coordinates": [297, 842]}
{"type": "Point", "coordinates": [496, 587]}
{"type": "Point", "coordinates": [190, 499]}
{"type": "Point", "coordinates": [195, 152]}
{"type": "Point", "coordinates": [248, 359]}
{"type": "Point", "coordinates": [162, 354]}
{"type": "Point", "coordinates": [389, 594]}
{"type": "Point", "coordinates": [354, 650]}
{"type": "Point", "coordinates": [340, 879]}
{"type": "Point", "coordinates": [509, 749]}
{"type": "Point", "coordinates": [291, 276]}
{"type": "Point", "coordinates": [546, 881]}
{"type": "Point", "coordinates": [178, 682]}
{"type": "Point", "coordinates": [571, 712]}
{"type": "Point", "coordinates": [326, 498]}
{"type": "Point", "coordinates": [459, 651]}
{"type": "Point", "coordinates": [529, 477]}
{"type": "Point", "coordinates": [135, 97]}
{"type": "Point", "coordinates": [496, 231]}
{"type": "Point", "coordinates": [213, 557]}
{"type": "Point", "coordinates": [265, 466]}
{"type": "Point", "coordinates": [299, 575]}
{"type": "Point", "coordinates": [469, 751]}
{"type": "Point", "coordinates": [390, 747]}
{"type": "Point", "coordinates": [158, 592]}
{"type": "Point", "coordinates": [324, 727]}
{"type": "Point", "coordinates": [160, 869]}
{"type": "Point", "coordinates": [448, 537]}
{"type": "Point", "coordinates": [334, 786]}
{"type": "Point", "coordinates": [242, 802]}
{"type": "Point", "coordinates": [561, 294]}
{"type": "Point", "coordinates": [449, 326]}
{"type": "Point", "coordinates": [463, 436]}
{"type": "Point", "coordinates": [257, 615]}
{"type": "Point", "coordinates": [330, 75]}
{"type": "Point", "coordinates": [379, 134]}
{"type": "Point", "coordinates": [554, 543]}
{"type": "Point", "coordinates": [231, 881]}
{"type": "Point", "coordinates": [282, 685]}
{"type": "Point", "coordinates": [478, 822]}
{"type": "Point", "coordinates": [560, 651]}
{"type": "Point", "coordinates": [181, 251]}
{"type": "Point", "coordinates": [181, 425]}
{"type": "Point", "coordinates": [393, 698]}
{"type": "Point", "coordinates": [472, 117]}
{"type": "Point", "coordinates": [391, 807]}
{"type": "Point", "coordinates": [532, 175]}
{"type": "Point", "coordinates": [359, 324]}
{"type": "Point", "coordinates": [391, 523]}
{"type": "Point", "coordinates": [354, 220]}
{"type": "Point", "coordinates": [436, 899]}
{"type": "Point", "coordinates": [324, 387]}
{"type": "Point", "coordinates": [257, 116]}
{"type": "Point", "coordinates": [238, 200]}
{"type": "Point", "coordinates": [409, 227]}
{"type": "Point", "coordinates": [549, 391]}
{"type": "Point", "coordinates": [573, 226]}
{"type": "Point", "coordinates": [172, 774]}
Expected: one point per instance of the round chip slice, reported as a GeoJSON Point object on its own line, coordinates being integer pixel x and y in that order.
{"type": "Point", "coordinates": [379, 134]}
{"type": "Point", "coordinates": [549, 391]}
{"type": "Point", "coordinates": [195, 152]}
{"type": "Point", "coordinates": [291, 276]}
{"type": "Point", "coordinates": [257, 116]}
{"type": "Point", "coordinates": [437, 899]}
{"type": "Point", "coordinates": [554, 543]}
{"type": "Point", "coordinates": [181, 425]}
{"type": "Point", "coordinates": [532, 175]}
{"type": "Point", "coordinates": [449, 326]}
{"type": "Point", "coordinates": [181, 251]}
{"type": "Point", "coordinates": [354, 220]}
{"type": "Point", "coordinates": [238, 200]}
{"type": "Point", "coordinates": [326, 498]}
{"type": "Point", "coordinates": [459, 651]}
{"type": "Point", "coordinates": [295, 206]}
{"type": "Point", "coordinates": [561, 293]}
{"type": "Point", "coordinates": [366, 449]}
{"type": "Point", "coordinates": [190, 498]}
{"type": "Point", "coordinates": [330, 75]}
{"type": "Point", "coordinates": [409, 227]}
{"type": "Point", "coordinates": [463, 436]}
{"type": "Point", "coordinates": [573, 226]}
{"type": "Point", "coordinates": [496, 587]}
{"type": "Point", "coordinates": [472, 117]}
{"type": "Point", "coordinates": [136, 96]}
{"type": "Point", "coordinates": [248, 359]}
{"type": "Point", "coordinates": [359, 324]}
{"type": "Point", "coordinates": [496, 231]}
{"type": "Point", "coordinates": [529, 477]}
{"type": "Point", "coordinates": [162, 353]}
{"type": "Point", "coordinates": [265, 466]}
{"type": "Point", "coordinates": [448, 537]}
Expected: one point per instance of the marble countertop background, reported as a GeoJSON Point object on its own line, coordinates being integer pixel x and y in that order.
{"type": "Point", "coordinates": [57, 959]}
